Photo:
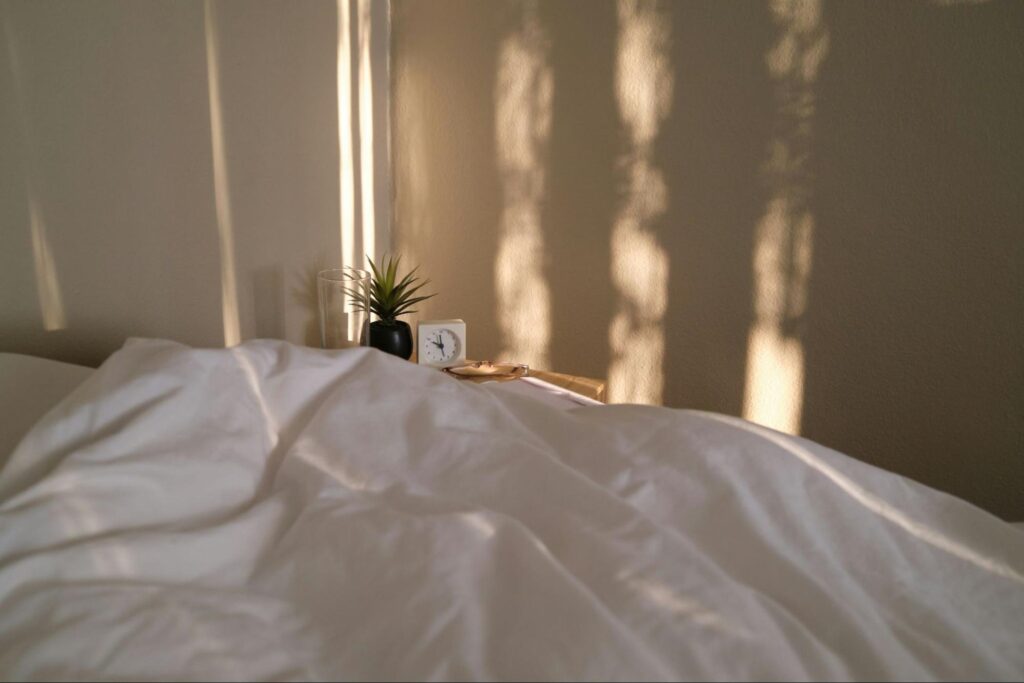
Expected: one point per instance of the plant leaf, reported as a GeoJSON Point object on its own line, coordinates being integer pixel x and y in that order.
{"type": "Point", "coordinates": [402, 307]}
{"type": "Point", "coordinates": [408, 278]}
{"type": "Point", "coordinates": [391, 296]}
{"type": "Point", "coordinates": [407, 295]}
{"type": "Point", "coordinates": [376, 273]}
{"type": "Point", "coordinates": [392, 272]}
{"type": "Point", "coordinates": [400, 289]}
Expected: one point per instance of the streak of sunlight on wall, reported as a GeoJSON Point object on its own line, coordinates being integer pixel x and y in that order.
{"type": "Point", "coordinates": [366, 148]}
{"type": "Point", "coordinates": [783, 248]}
{"type": "Point", "coordinates": [639, 264]}
{"type": "Point", "coordinates": [221, 184]}
{"type": "Point", "coordinates": [523, 124]}
{"type": "Point", "coordinates": [51, 303]}
{"type": "Point", "coordinates": [346, 160]}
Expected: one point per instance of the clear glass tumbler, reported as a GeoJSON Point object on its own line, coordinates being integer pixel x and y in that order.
{"type": "Point", "coordinates": [344, 296]}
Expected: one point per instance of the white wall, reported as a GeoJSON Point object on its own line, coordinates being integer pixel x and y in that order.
{"type": "Point", "coordinates": [110, 128]}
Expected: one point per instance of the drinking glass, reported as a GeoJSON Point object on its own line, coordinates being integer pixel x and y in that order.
{"type": "Point", "coordinates": [344, 297]}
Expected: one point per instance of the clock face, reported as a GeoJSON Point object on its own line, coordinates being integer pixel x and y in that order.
{"type": "Point", "coordinates": [440, 346]}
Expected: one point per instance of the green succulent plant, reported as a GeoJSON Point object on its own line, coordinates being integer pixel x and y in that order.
{"type": "Point", "coordinates": [391, 297]}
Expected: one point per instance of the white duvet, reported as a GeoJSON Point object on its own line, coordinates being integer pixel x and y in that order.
{"type": "Point", "coordinates": [273, 512]}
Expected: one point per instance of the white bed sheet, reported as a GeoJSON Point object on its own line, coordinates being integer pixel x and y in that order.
{"type": "Point", "coordinates": [271, 512]}
{"type": "Point", "coordinates": [29, 387]}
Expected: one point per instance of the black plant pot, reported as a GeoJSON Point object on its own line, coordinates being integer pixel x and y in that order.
{"type": "Point", "coordinates": [393, 337]}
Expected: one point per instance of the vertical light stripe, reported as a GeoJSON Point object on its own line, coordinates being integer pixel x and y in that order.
{"type": "Point", "coordinates": [221, 184]}
{"type": "Point", "coordinates": [366, 141]}
{"type": "Point", "coordinates": [522, 127]}
{"type": "Point", "coordinates": [51, 303]}
{"type": "Point", "coordinates": [346, 160]}
{"type": "Point", "coordinates": [640, 265]}
{"type": "Point", "coordinates": [783, 246]}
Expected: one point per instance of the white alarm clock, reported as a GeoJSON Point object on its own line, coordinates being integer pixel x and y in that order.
{"type": "Point", "coordinates": [442, 343]}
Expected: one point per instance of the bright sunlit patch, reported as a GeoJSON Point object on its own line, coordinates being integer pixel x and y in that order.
{"type": "Point", "coordinates": [80, 521]}
{"type": "Point", "coordinates": [775, 360]}
{"type": "Point", "coordinates": [783, 246]}
{"type": "Point", "coordinates": [346, 160]}
{"type": "Point", "coordinates": [684, 607]}
{"type": "Point", "coordinates": [366, 150]}
{"type": "Point", "coordinates": [775, 375]}
{"type": "Point", "coordinates": [640, 265]}
{"type": "Point", "coordinates": [221, 184]}
{"type": "Point", "coordinates": [331, 464]}
{"type": "Point", "coordinates": [48, 288]}
{"type": "Point", "coordinates": [51, 303]}
{"type": "Point", "coordinates": [480, 523]}
{"type": "Point", "coordinates": [877, 505]}
{"type": "Point", "coordinates": [523, 125]}
{"type": "Point", "coordinates": [110, 556]}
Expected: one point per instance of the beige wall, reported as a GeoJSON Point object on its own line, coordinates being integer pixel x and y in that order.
{"type": "Point", "coordinates": [817, 215]}
{"type": "Point", "coordinates": [822, 208]}
{"type": "Point", "coordinates": [165, 164]}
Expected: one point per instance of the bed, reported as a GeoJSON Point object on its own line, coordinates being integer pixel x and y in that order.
{"type": "Point", "coordinates": [29, 387]}
{"type": "Point", "coordinates": [279, 513]}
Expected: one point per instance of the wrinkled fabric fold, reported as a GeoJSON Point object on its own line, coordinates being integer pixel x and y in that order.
{"type": "Point", "coordinates": [272, 512]}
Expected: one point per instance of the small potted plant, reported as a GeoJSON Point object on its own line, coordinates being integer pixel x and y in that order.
{"type": "Point", "coordinates": [390, 298]}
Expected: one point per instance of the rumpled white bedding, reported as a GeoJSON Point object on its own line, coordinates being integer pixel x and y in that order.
{"type": "Point", "coordinates": [273, 512]}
